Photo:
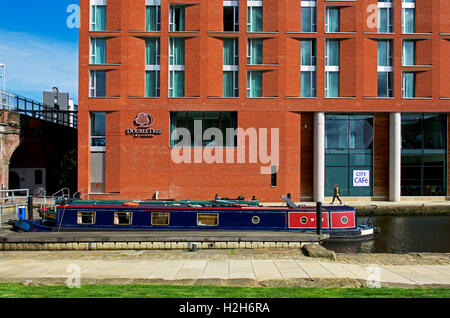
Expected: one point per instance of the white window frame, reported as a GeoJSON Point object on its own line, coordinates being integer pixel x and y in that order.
{"type": "Point", "coordinates": [408, 5]}
{"type": "Point", "coordinates": [390, 58]}
{"type": "Point", "coordinates": [172, 16]}
{"type": "Point", "coordinates": [251, 5]}
{"type": "Point", "coordinates": [403, 84]}
{"type": "Point", "coordinates": [312, 6]}
{"type": "Point", "coordinates": [93, 50]}
{"type": "Point", "coordinates": [327, 17]}
{"type": "Point", "coordinates": [93, 5]}
{"type": "Point", "coordinates": [250, 49]}
{"type": "Point", "coordinates": [158, 15]}
{"type": "Point", "coordinates": [234, 67]}
{"type": "Point", "coordinates": [249, 83]}
{"type": "Point", "coordinates": [235, 5]}
{"type": "Point", "coordinates": [403, 52]}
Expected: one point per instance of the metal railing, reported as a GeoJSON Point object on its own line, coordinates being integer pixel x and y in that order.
{"type": "Point", "coordinates": [38, 110]}
{"type": "Point", "coordinates": [12, 199]}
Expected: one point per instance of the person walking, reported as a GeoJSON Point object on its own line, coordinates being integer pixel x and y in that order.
{"type": "Point", "coordinates": [336, 194]}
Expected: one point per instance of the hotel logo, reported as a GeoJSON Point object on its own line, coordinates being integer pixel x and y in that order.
{"type": "Point", "coordinates": [143, 121]}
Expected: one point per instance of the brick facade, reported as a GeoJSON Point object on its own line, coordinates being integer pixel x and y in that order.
{"type": "Point", "coordinates": [136, 168]}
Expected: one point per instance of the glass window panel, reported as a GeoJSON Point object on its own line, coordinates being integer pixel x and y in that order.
{"type": "Point", "coordinates": [336, 175]}
{"type": "Point", "coordinates": [409, 79]}
{"type": "Point", "coordinates": [152, 52]}
{"type": "Point", "coordinates": [308, 84]}
{"type": "Point", "coordinates": [152, 84]}
{"type": "Point", "coordinates": [308, 19]}
{"type": "Point", "coordinates": [255, 51]}
{"type": "Point", "coordinates": [153, 18]}
{"type": "Point", "coordinates": [332, 84]}
{"type": "Point", "coordinates": [336, 160]}
{"type": "Point", "coordinates": [332, 53]}
{"type": "Point", "coordinates": [408, 20]}
{"type": "Point", "coordinates": [254, 17]}
{"type": "Point", "coordinates": [336, 136]}
{"type": "Point", "coordinates": [254, 84]}
{"type": "Point", "coordinates": [409, 52]}
{"type": "Point", "coordinates": [435, 135]}
{"type": "Point", "coordinates": [332, 23]}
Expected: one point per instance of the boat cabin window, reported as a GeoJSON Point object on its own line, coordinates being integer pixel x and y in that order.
{"type": "Point", "coordinates": [86, 218]}
{"type": "Point", "coordinates": [160, 218]}
{"type": "Point", "coordinates": [123, 218]}
{"type": "Point", "coordinates": [207, 219]}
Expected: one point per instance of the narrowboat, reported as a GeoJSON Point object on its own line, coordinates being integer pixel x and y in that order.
{"type": "Point", "coordinates": [339, 222]}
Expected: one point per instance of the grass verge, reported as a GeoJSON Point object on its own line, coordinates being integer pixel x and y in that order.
{"type": "Point", "coordinates": [171, 291]}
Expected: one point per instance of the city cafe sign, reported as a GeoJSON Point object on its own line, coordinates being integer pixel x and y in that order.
{"type": "Point", "coordinates": [143, 123]}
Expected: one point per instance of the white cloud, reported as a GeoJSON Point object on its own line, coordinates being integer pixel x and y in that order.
{"type": "Point", "coordinates": [34, 64]}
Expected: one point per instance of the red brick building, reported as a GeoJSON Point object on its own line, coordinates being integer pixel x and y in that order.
{"type": "Point", "coordinates": [358, 90]}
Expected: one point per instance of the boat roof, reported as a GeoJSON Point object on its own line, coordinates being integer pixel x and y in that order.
{"type": "Point", "coordinates": [217, 203]}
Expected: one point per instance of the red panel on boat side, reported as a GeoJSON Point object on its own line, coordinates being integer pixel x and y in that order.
{"type": "Point", "coordinates": [307, 220]}
{"type": "Point", "coordinates": [343, 220]}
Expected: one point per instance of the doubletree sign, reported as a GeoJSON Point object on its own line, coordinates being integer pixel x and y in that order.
{"type": "Point", "coordinates": [144, 122]}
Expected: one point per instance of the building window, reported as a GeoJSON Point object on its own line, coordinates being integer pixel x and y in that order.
{"type": "Point", "coordinates": [152, 67]}
{"type": "Point", "coordinates": [254, 84]}
{"type": "Point", "coordinates": [98, 15]}
{"type": "Point", "coordinates": [226, 122]}
{"type": "Point", "coordinates": [385, 16]}
{"type": "Point", "coordinates": [308, 17]}
{"type": "Point", "coordinates": [332, 20]}
{"type": "Point", "coordinates": [160, 218]}
{"type": "Point", "coordinates": [332, 52]}
{"type": "Point", "coordinates": [97, 84]}
{"type": "Point", "coordinates": [98, 51]}
{"type": "Point", "coordinates": [385, 68]}
{"type": "Point", "coordinates": [254, 51]}
{"type": "Point", "coordinates": [176, 67]}
{"type": "Point", "coordinates": [424, 153]}
{"type": "Point", "coordinates": [349, 154]}
{"type": "Point", "coordinates": [308, 68]}
{"type": "Point", "coordinates": [176, 18]}
{"type": "Point", "coordinates": [254, 16]}
{"type": "Point", "coordinates": [86, 217]}
{"type": "Point", "coordinates": [231, 16]}
{"type": "Point", "coordinates": [153, 17]}
{"type": "Point", "coordinates": [230, 68]}
{"type": "Point", "coordinates": [408, 16]}
{"type": "Point", "coordinates": [98, 128]}
{"type": "Point", "coordinates": [273, 176]}
{"type": "Point", "coordinates": [207, 219]}
{"type": "Point", "coordinates": [408, 56]}
{"type": "Point", "coordinates": [409, 85]}
{"type": "Point", "coordinates": [123, 218]}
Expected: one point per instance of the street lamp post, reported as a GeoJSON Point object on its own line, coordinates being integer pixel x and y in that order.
{"type": "Point", "coordinates": [3, 77]}
{"type": "Point", "coordinates": [3, 95]}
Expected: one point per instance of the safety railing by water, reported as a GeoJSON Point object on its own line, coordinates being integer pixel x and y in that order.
{"type": "Point", "coordinates": [12, 200]}
{"type": "Point", "coordinates": [29, 107]}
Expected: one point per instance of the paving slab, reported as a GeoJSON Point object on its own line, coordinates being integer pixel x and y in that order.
{"type": "Point", "coordinates": [409, 273]}
{"type": "Point", "coordinates": [315, 270]}
{"type": "Point", "coordinates": [432, 273]}
{"type": "Point", "coordinates": [241, 269]}
{"type": "Point", "coordinates": [167, 270]}
{"type": "Point", "coordinates": [289, 269]}
{"type": "Point", "coordinates": [191, 269]}
{"type": "Point", "coordinates": [265, 270]}
{"type": "Point", "coordinates": [338, 270]}
{"type": "Point", "coordinates": [217, 269]}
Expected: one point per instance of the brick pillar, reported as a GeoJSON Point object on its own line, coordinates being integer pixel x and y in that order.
{"type": "Point", "coordinates": [9, 141]}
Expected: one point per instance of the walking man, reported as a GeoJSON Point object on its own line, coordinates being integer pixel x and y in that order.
{"type": "Point", "coordinates": [336, 194]}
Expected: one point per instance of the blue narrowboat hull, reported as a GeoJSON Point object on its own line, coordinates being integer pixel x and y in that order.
{"type": "Point", "coordinates": [338, 222]}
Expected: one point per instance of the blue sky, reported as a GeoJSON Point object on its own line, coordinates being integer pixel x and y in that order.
{"type": "Point", "coordinates": [39, 49]}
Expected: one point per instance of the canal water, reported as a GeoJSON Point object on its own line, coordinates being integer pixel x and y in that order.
{"type": "Point", "coordinates": [401, 234]}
